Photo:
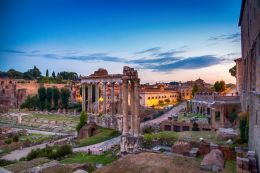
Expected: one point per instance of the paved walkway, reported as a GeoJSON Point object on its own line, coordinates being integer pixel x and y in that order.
{"type": "Point", "coordinates": [100, 147]}
{"type": "Point", "coordinates": [18, 154]}
{"type": "Point", "coordinates": [165, 116]}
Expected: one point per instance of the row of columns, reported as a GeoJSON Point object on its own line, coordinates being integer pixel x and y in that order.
{"type": "Point", "coordinates": [95, 109]}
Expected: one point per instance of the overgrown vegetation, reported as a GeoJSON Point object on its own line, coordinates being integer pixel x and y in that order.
{"type": "Point", "coordinates": [244, 127]}
{"type": "Point", "coordinates": [101, 135]}
{"type": "Point", "coordinates": [220, 86]}
{"type": "Point", "coordinates": [55, 152]}
{"type": "Point", "coordinates": [104, 159]}
{"type": "Point", "coordinates": [50, 98]}
{"type": "Point", "coordinates": [162, 138]}
{"type": "Point", "coordinates": [4, 162]}
{"type": "Point", "coordinates": [82, 121]}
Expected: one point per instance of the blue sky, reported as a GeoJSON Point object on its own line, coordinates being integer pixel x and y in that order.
{"type": "Point", "coordinates": [165, 39]}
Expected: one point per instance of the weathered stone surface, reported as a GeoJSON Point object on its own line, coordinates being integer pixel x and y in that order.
{"type": "Point", "coordinates": [194, 152]}
{"type": "Point", "coordinates": [87, 130]}
{"type": "Point", "coordinates": [227, 133]}
{"type": "Point", "coordinates": [213, 161]}
{"type": "Point", "coordinates": [181, 147]}
{"type": "Point", "coordinates": [80, 171]}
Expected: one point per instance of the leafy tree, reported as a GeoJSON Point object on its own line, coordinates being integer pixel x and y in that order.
{"type": "Point", "coordinates": [56, 97]}
{"type": "Point", "coordinates": [53, 75]}
{"type": "Point", "coordinates": [233, 71]}
{"type": "Point", "coordinates": [49, 96]}
{"type": "Point", "coordinates": [13, 74]}
{"type": "Point", "coordinates": [195, 89]}
{"type": "Point", "coordinates": [42, 97]}
{"type": "Point", "coordinates": [222, 86]}
{"type": "Point", "coordinates": [82, 121]}
{"type": "Point", "coordinates": [31, 102]}
{"type": "Point", "coordinates": [65, 95]}
{"type": "Point", "coordinates": [47, 73]}
{"type": "Point", "coordinates": [217, 86]}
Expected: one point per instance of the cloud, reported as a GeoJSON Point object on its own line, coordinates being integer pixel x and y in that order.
{"type": "Point", "coordinates": [95, 57]}
{"type": "Point", "coordinates": [163, 60]}
{"type": "Point", "coordinates": [186, 63]}
{"type": "Point", "coordinates": [11, 51]}
{"type": "Point", "coordinates": [150, 50]}
{"type": "Point", "coordinates": [235, 37]}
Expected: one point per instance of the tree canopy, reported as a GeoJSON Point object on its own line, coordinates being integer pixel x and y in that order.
{"type": "Point", "coordinates": [233, 71]}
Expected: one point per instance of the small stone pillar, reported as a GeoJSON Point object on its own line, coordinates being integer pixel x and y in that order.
{"type": "Point", "coordinates": [83, 98]}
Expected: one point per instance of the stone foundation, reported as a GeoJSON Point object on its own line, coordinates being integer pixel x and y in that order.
{"type": "Point", "coordinates": [130, 143]}
{"type": "Point", "coordinates": [107, 121]}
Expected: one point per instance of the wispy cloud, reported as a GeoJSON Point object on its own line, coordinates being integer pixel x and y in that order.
{"type": "Point", "coordinates": [11, 51]}
{"type": "Point", "coordinates": [150, 50]}
{"type": "Point", "coordinates": [235, 37]}
{"type": "Point", "coordinates": [187, 63]}
{"type": "Point", "coordinates": [162, 61]}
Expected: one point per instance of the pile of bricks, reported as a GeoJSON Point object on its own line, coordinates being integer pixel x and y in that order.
{"type": "Point", "coordinates": [247, 164]}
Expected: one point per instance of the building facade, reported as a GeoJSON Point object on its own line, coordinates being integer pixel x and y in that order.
{"type": "Point", "coordinates": [217, 107]}
{"type": "Point", "coordinates": [156, 95]}
{"type": "Point", "coordinates": [250, 97]}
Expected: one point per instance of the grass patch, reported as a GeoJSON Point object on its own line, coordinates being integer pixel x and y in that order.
{"type": "Point", "coordinates": [34, 138]}
{"type": "Point", "coordinates": [189, 116]}
{"type": "Point", "coordinates": [102, 134]}
{"type": "Point", "coordinates": [168, 138]}
{"type": "Point", "coordinates": [87, 158]}
{"type": "Point", "coordinates": [164, 138]}
{"type": "Point", "coordinates": [55, 117]}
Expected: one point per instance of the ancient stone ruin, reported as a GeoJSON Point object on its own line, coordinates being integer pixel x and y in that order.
{"type": "Point", "coordinates": [112, 100]}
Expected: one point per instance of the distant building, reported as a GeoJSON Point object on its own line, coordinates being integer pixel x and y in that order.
{"type": "Point", "coordinates": [218, 108]}
{"type": "Point", "coordinates": [152, 95]}
{"type": "Point", "coordinates": [250, 95]}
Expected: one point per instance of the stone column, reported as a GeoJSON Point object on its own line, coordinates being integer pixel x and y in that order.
{"type": "Point", "coordinates": [112, 98]}
{"type": "Point", "coordinates": [125, 106]}
{"type": "Point", "coordinates": [97, 98]}
{"type": "Point", "coordinates": [136, 108]}
{"type": "Point", "coordinates": [90, 98]}
{"type": "Point", "coordinates": [120, 99]}
{"type": "Point", "coordinates": [132, 106]}
{"type": "Point", "coordinates": [83, 98]}
{"type": "Point", "coordinates": [104, 98]}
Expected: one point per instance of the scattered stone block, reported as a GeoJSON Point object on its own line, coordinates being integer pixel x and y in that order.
{"type": "Point", "coordinates": [213, 161]}
{"type": "Point", "coordinates": [181, 147]}
{"type": "Point", "coordinates": [227, 133]}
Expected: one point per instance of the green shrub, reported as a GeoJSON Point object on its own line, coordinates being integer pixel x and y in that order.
{"type": "Point", "coordinates": [8, 141]}
{"type": "Point", "coordinates": [195, 127]}
{"type": "Point", "coordinates": [4, 162]}
{"type": "Point", "coordinates": [15, 138]}
{"type": "Point", "coordinates": [82, 121]}
{"type": "Point", "coordinates": [162, 138]}
{"type": "Point", "coordinates": [54, 152]}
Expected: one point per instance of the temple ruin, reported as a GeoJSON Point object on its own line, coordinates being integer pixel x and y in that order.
{"type": "Point", "coordinates": [118, 110]}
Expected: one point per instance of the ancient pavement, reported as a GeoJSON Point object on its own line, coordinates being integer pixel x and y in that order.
{"type": "Point", "coordinates": [96, 148]}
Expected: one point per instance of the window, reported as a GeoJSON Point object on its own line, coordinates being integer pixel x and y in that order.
{"type": "Point", "coordinates": [152, 97]}
{"type": "Point", "coordinates": [217, 116]}
{"type": "Point", "coordinates": [149, 98]}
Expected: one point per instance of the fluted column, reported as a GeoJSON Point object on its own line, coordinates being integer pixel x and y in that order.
{"type": "Point", "coordinates": [132, 106]}
{"type": "Point", "coordinates": [125, 106]}
{"type": "Point", "coordinates": [112, 98]}
{"type": "Point", "coordinates": [136, 108]}
{"type": "Point", "coordinates": [97, 98]}
{"type": "Point", "coordinates": [83, 98]}
{"type": "Point", "coordinates": [104, 98]}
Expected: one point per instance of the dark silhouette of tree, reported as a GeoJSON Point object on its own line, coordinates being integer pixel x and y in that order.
{"type": "Point", "coordinates": [195, 89]}
{"type": "Point", "coordinates": [42, 97]}
{"type": "Point", "coordinates": [47, 73]}
{"type": "Point", "coordinates": [65, 95]}
{"type": "Point", "coordinates": [49, 97]}
{"type": "Point", "coordinates": [56, 97]}
{"type": "Point", "coordinates": [233, 71]}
